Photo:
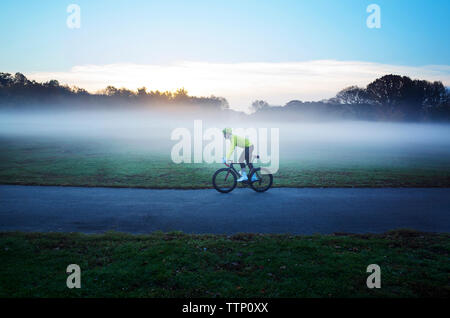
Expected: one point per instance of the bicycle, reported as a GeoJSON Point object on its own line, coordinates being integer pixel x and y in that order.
{"type": "Point", "coordinates": [225, 179]}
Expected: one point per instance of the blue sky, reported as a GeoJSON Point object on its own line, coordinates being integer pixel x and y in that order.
{"type": "Point", "coordinates": [36, 40]}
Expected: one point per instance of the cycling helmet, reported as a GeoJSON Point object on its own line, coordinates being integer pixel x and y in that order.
{"type": "Point", "coordinates": [227, 131]}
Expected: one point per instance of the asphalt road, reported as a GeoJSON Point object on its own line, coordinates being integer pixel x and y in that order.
{"type": "Point", "coordinates": [280, 210]}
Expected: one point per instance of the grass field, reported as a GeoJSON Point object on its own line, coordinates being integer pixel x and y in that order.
{"type": "Point", "coordinates": [38, 161]}
{"type": "Point", "coordinates": [247, 265]}
{"type": "Point", "coordinates": [413, 264]}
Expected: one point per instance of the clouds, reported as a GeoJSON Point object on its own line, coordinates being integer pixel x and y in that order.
{"type": "Point", "coordinates": [241, 83]}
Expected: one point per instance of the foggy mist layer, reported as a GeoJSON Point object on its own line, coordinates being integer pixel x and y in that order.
{"type": "Point", "coordinates": [150, 131]}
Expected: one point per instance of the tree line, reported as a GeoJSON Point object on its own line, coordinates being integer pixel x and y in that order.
{"type": "Point", "coordinates": [18, 91]}
{"type": "Point", "coordinates": [388, 98]}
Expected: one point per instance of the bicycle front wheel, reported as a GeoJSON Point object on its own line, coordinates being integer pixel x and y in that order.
{"type": "Point", "coordinates": [224, 180]}
{"type": "Point", "coordinates": [260, 179]}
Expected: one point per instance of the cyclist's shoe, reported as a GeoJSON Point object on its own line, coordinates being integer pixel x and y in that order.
{"type": "Point", "coordinates": [254, 178]}
{"type": "Point", "coordinates": [243, 177]}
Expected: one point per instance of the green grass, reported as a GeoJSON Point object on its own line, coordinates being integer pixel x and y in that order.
{"type": "Point", "coordinates": [96, 163]}
{"type": "Point", "coordinates": [413, 264]}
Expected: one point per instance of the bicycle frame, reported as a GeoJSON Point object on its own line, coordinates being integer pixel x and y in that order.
{"type": "Point", "coordinates": [238, 163]}
{"type": "Point", "coordinates": [254, 183]}
{"type": "Point", "coordinates": [231, 166]}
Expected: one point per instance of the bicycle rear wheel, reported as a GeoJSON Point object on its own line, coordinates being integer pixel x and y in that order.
{"type": "Point", "coordinates": [263, 181]}
{"type": "Point", "coordinates": [224, 180]}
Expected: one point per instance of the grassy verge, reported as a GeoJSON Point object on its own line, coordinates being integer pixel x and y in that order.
{"type": "Point", "coordinates": [412, 264]}
{"type": "Point", "coordinates": [32, 162]}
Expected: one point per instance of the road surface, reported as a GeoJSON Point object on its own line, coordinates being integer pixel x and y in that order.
{"type": "Point", "coordinates": [280, 210]}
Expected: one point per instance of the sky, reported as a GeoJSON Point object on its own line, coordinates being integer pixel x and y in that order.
{"type": "Point", "coordinates": [241, 50]}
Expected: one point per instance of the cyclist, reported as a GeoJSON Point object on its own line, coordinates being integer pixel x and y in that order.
{"type": "Point", "coordinates": [240, 142]}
